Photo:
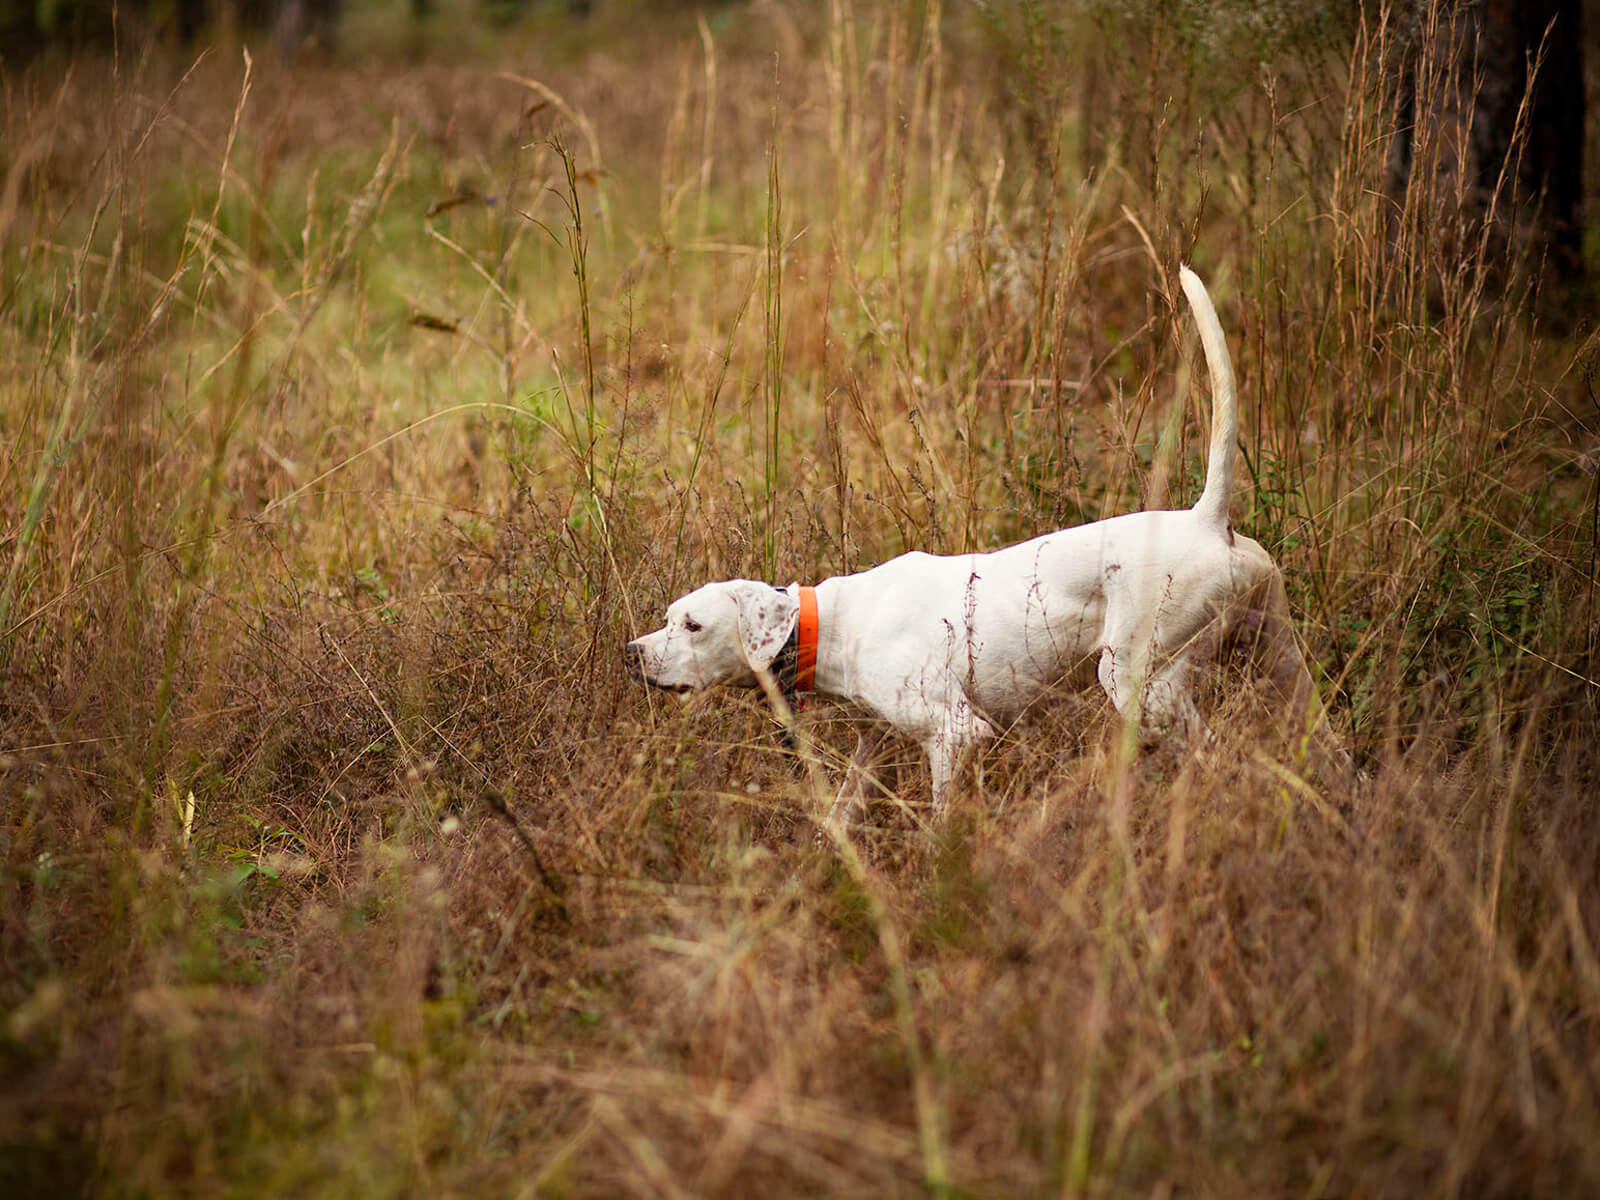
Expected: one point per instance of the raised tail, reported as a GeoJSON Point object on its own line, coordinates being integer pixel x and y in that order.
{"type": "Point", "coordinates": [1212, 506]}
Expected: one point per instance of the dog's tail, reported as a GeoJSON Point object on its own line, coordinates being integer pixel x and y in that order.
{"type": "Point", "coordinates": [1212, 507]}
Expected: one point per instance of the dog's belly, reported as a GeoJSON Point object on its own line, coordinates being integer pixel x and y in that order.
{"type": "Point", "coordinates": [1012, 656]}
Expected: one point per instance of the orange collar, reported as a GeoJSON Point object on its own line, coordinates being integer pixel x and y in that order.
{"type": "Point", "coordinates": [805, 664]}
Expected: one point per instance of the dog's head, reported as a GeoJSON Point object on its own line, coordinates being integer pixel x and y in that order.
{"type": "Point", "coordinates": [720, 633]}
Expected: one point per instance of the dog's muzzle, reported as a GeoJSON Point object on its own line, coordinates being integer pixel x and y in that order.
{"type": "Point", "coordinates": [633, 660]}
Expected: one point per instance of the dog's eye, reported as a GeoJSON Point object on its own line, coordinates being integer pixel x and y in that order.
{"type": "Point", "coordinates": [690, 625]}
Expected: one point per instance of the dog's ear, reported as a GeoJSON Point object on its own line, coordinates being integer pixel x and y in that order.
{"type": "Point", "coordinates": [767, 617]}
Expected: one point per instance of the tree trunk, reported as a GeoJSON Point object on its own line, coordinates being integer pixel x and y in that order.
{"type": "Point", "coordinates": [1501, 151]}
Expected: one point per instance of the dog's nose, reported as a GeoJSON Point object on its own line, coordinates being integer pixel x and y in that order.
{"type": "Point", "coordinates": [633, 658]}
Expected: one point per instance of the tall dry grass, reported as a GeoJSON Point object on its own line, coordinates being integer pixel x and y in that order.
{"type": "Point", "coordinates": [355, 415]}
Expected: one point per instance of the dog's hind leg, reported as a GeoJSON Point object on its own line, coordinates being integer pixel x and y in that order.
{"type": "Point", "coordinates": [1169, 704]}
{"type": "Point", "coordinates": [1265, 632]}
{"type": "Point", "coordinates": [1166, 706]}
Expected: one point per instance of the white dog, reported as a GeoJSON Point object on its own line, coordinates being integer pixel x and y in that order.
{"type": "Point", "coordinates": [948, 649]}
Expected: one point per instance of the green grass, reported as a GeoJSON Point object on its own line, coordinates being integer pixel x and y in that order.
{"type": "Point", "coordinates": [339, 856]}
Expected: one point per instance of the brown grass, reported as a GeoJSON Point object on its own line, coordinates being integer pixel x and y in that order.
{"type": "Point", "coordinates": [355, 414]}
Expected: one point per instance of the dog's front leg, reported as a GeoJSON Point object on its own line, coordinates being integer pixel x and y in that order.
{"type": "Point", "coordinates": [849, 806]}
{"type": "Point", "coordinates": [961, 730]}
{"type": "Point", "coordinates": [941, 768]}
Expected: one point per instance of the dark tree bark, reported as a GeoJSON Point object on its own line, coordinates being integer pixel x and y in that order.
{"type": "Point", "coordinates": [1470, 65]}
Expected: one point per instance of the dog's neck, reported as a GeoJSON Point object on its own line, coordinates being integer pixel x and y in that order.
{"type": "Point", "coordinates": [795, 666]}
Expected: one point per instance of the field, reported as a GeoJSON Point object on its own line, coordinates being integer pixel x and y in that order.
{"type": "Point", "coordinates": [358, 408]}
